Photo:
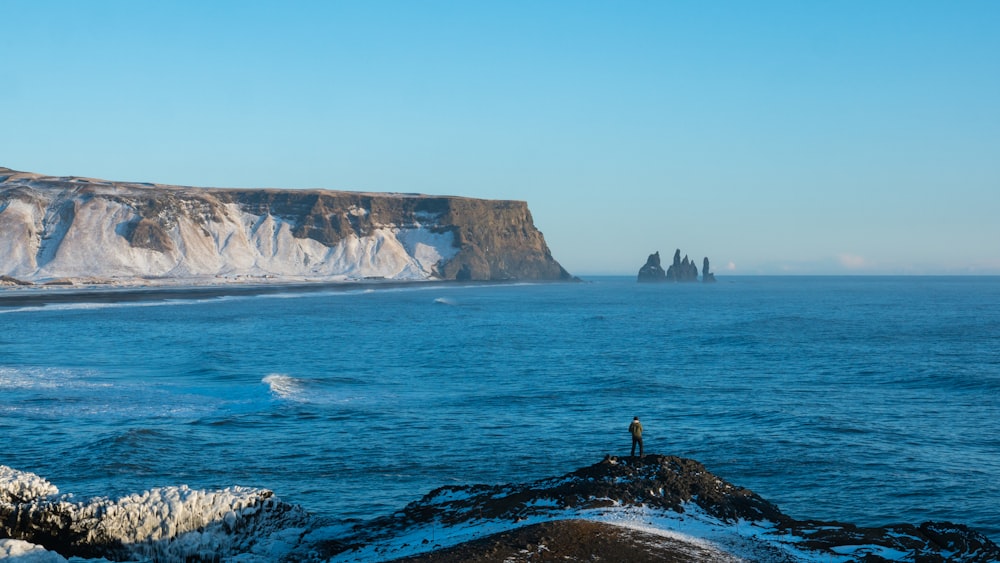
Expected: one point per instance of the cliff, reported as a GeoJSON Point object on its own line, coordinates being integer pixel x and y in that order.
{"type": "Point", "coordinates": [57, 228]}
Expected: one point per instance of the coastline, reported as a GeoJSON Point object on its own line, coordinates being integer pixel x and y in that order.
{"type": "Point", "coordinates": [39, 295]}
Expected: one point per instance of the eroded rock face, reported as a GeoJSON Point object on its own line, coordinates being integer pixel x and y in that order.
{"type": "Point", "coordinates": [69, 227]}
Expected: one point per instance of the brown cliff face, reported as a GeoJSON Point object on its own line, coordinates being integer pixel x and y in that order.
{"type": "Point", "coordinates": [143, 229]}
{"type": "Point", "coordinates": [498, 241]}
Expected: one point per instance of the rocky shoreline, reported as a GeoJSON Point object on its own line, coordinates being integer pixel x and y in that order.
{"type": "Point", "coordinates": [657, 508]}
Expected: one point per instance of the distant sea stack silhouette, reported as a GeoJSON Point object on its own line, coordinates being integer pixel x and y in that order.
{"type": "Point", "coordinates": [682, 270]}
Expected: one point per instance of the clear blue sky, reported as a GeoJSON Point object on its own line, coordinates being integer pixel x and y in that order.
{"type": "Point", "coordinates": [803, 137]}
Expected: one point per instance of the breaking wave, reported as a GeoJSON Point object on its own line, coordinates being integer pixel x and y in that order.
{"type": "Point", "coordinates": [285, 387]}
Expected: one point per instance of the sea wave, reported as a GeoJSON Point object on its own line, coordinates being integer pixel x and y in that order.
{"type": "Point", "coordinates": [285, 386]}
{"type": "Point", "coordinates": [91, 306]}
{"type": "Point", "coordinates": [312, 391]}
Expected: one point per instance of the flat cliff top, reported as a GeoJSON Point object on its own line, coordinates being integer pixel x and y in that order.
{"type": "Point", "coordinates": [11, 177]}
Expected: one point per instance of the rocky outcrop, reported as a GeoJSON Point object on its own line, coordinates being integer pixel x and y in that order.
{"type": "Point", "coordinates": [71, 228]}
{"type": "Point", "coordinates": [677, 492]}
{"type": "Point", "coordinates": [166, 524]}
{"type": "Point", "coordinates": [681, 270]}
{"type": "Point", "coordinates": [652, 271]}
{"type": "Point", "coordinates": [706, 276]}
{"type": "Point", "coordinates": [704, 517]}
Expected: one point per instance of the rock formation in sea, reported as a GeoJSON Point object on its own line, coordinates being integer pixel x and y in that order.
{"type": "Point", "coordinates": [652, 271]}
{"type": "Point", "coordinates": [656, 508]}
{"type": "Point", "coordinates": [679, 271]}
{"type": "Point", "coordinates": [706, 276]}
{"type": "Point", "coordinates": [86, 230]}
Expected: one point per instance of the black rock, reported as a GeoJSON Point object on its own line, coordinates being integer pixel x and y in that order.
{"type": "Point", "coordinates": [706, 276]}
{"type": "Point", "coordinates": [678, 486]}
{"type": "Point", "coordinates": [682, 270]}
{"type": "Point", "coordinates": [652, 271]}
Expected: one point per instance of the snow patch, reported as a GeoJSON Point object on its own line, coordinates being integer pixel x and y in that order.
{"type": "Point", "coordinates": [23, 552]}
{"type": "Point", "coordinates": [69, 235]}
{"type": "Point", "coordinates": [18, 487]}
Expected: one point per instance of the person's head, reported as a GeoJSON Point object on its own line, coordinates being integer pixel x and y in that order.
{"type": "Point", "coordinates": [635, 418]}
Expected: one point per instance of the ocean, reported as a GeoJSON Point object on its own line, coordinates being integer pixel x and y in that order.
{"type": "Point", "coordinates": [872, 400]}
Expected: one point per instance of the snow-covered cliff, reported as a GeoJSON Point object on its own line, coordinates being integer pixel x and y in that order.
{"type": "Point", "coordinates": [74, 228]}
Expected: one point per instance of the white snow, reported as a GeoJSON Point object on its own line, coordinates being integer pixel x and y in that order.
{"type": "Point", "coordinates": [23, 552]}
{"type": "Point", "coordinates": [707, 535]}
{"type": "Point", "coordinates": [68, 235]}
{"type": "Point", "coordinates": [246, 525]}
{"type": "Point", "coordinates": [163, 524]}
{"type": "Point", "coordinates": [20, 486]}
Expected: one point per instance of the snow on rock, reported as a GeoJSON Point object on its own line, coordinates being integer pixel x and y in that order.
{"type": "Point", "coordinates": [21, 487]}
{"type": "Point", "coordinates": [24, 552]}
{"type": "Point", "coordinates": [667, 496]}
{"type": "Point", "coordinates": [78, 228]}
{"type": "Point", "coordinates": [163, 524]}
{"type": "Point", "coordinates": [673, 498]}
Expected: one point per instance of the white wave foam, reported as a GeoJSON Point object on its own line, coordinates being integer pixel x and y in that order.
{"type": "Point", "coordinates": [44, 378]}
{"type": "Point", "coordinates": [91, 306]}
{"type": "Point", "coordinates": [307, 391]}
{"type": "Point", "coordinates": [285, 386]}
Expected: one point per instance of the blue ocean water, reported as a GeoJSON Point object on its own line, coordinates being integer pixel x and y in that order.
{"type": "Point", "coordinates": [872, 400]}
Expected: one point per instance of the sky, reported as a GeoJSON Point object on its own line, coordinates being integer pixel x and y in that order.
{"type": "Point", "coordinates": [801, 137]}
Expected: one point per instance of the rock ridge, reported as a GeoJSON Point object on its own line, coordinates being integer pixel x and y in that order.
{"type": "Point", "coordinates": [675, 488]}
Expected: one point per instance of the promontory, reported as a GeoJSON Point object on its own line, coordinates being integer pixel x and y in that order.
{"type": "Point", "coordinates": [73, 230]}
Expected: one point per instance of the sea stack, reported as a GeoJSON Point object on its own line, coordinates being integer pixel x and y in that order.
{"type": "Point", "coordinates": [652, 271]}
{"type": "Point", "coordinates": [681, 270]}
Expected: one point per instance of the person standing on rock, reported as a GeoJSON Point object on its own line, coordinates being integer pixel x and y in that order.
{"type": "Point", "coordinates": [636, 430]}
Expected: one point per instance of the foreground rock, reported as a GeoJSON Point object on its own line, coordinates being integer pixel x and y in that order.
{"type": "Point", "coordinates": [659, 508]}
{"type": "Point", "coordinates": [576, 540]}
{"type": "Point", "coordinates": [165, 524]}
{"type": "Point", "coordinates": [71, 229]}
{"type": "Point", "coordinates": [683, 511]}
